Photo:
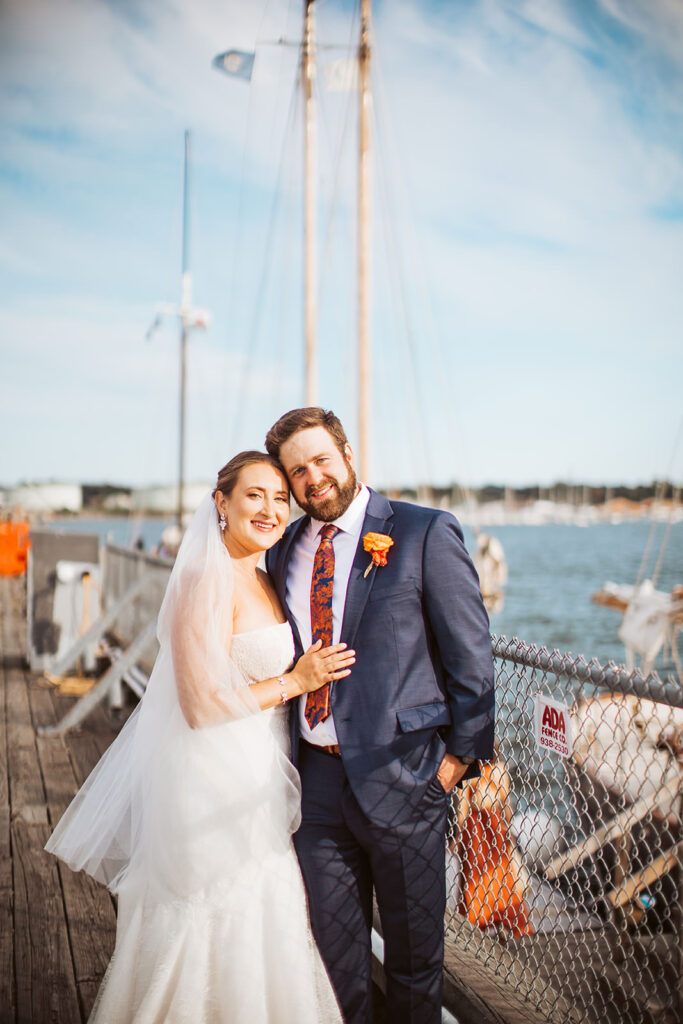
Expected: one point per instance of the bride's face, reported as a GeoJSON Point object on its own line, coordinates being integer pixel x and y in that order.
{"type": "Point", "coordinates": [256, 510]}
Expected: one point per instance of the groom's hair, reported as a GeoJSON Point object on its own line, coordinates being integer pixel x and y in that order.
{"type": "Point", "coordinates": [301, 419]}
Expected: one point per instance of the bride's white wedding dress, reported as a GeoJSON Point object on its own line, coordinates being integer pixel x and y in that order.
{"type": "Point", "coordinates": [191, 827]}
{"type": "Point", "coordinates": [239, 950]}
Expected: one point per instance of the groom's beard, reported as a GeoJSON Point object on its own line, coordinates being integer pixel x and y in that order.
{"type": "Point", "coordinates": [338, 501]}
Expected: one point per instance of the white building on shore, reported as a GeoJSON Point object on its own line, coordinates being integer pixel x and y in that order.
{"type": "Point", "coordinates": [163, 500]}
{"type": "Point", "coordinates": [52, 497]}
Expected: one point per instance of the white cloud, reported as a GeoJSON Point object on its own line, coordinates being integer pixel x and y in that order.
{"type": "Point", "coordinates": [89, 393]}
{"type": "Point", "coordinates": [660, 22]}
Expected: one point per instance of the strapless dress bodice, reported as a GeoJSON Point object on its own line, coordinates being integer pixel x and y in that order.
{"type": "Point", "coordinates": [261, 654]}
{"type": "Point", "coordinates": [265, 652]}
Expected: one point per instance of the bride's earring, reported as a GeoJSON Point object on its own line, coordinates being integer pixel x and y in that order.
{"type": "Point", "coordinates": [222, 523]}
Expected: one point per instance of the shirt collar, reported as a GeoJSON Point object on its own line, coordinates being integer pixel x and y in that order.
{"type": "Point", "coordinates": [350, 521]}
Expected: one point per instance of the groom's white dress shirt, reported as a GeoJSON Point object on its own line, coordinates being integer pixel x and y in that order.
{"type": "Point", "coordinates": [299, 578]}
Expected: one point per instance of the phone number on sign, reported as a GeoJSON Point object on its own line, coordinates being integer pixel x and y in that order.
{"type": "Point", "coordinates": [560, 745]}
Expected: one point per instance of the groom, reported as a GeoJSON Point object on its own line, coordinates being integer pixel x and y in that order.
{"type": "Point", "coordinates": [379, 752]}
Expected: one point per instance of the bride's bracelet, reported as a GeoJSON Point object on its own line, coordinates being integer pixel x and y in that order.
{"type": "Point", "coordinates": [283, 695]}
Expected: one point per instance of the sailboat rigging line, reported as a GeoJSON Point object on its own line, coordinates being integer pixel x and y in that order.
{"type": "Point", "coordinates": [403, 324]}
{"type": "Point", "coordinates": [307, 75]}
{"type": "Point", "coordinates": [396, 260]}
{"type": "Point", "coordinates": [296, 43]}
{"type": "Point", "coordinates": [364, 239]}
{"type": "Point", "coordinates": [658, 498]}
{"type": "Point", "coordinates": [212, 435]}
{"type": "Point", "coordinates": [154, 457]}
{"type": "Point", "coordinates": [659, 493]}
{"type": "Point", "coordinates": [339, 314]}
{"type": "Point", "coordinates": [253, 334]}
{"type": "Point", "coordinates": [289, 287]}
{"type": "Point", "coordinates": [429, 331]}
{"type": "Point", "coordinates": [238, 247]}
{"type": "Point", "coordinates": [336, 161]}
{"type": "Point", "coordinates": [675, 497]}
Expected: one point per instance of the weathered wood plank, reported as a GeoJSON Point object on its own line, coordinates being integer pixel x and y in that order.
{"type": "Point", "coordinates": [55, 765]}
{"type": "Point", "coordinates": [57, 929]}
{"type": "Point", "coordinates": [490, 985]}
{"type": "Point", "coordinates": [86, 746]}
{"type": "Point", "coordinates": [87, 992]}
{"type": "Point", "coordinates": [9, 606]}
{"type": "Point", "coordinates": [91, 919]}
{"type": "Point", "coordinates": [46, 986]}
{"type": "Point", "coordinates": [7, 992]}
{"type": "Point", "coordinates": [27, 797]}
{"type": "Point", "coordinates": [7, 989]}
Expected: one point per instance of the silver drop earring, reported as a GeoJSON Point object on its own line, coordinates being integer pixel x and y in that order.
{"type": "Point", "coordinates": [222, 523]}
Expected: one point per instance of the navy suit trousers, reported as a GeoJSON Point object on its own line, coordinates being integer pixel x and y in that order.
{"type": "Point", "coordinates": [343, 856]}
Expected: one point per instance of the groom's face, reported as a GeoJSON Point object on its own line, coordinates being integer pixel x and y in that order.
{"type": "Point", "coordinates": [322, 478]}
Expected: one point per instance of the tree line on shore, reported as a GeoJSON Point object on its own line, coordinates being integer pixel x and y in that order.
{"type": "Point", "coordinates": [95, 495]}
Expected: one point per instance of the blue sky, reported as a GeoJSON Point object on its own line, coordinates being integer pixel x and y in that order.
{"type": "Point", "coordinates": [527, 236]}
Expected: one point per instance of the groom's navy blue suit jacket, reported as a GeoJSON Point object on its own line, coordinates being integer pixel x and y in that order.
{"type": "Point", "coordinates": [423, 682]}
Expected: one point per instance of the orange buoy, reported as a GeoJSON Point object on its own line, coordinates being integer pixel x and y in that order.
{"type": "Point", "coordinates": [14, 545]}
{"type": "Point", "coordinates": [494, 879]}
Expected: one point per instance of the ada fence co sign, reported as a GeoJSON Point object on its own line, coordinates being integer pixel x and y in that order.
{"type": "Point", "coordinates": [552, 725]}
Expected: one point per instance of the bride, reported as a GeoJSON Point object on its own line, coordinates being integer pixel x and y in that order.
{"type": "Point", "coordinates": [188, 816]}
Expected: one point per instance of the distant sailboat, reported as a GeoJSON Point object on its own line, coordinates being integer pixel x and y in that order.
{"type": "Point", "coordinates": [652, 619]}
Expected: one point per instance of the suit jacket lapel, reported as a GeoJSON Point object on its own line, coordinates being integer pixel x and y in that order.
{"type": "Point", "coordinates": [287, 549]}
{"type": "Point", "coordinates": [377, 520]}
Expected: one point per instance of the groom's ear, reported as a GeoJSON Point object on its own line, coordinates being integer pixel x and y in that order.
{"type": "Point", "coordinates": [348, 452]}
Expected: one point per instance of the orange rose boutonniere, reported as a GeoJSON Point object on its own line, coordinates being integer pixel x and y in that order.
{"type": "Point", "coordinates": [377, 544]}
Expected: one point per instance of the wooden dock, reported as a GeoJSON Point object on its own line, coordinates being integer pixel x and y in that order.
{"type": "Point", "coordinates": [57, 928]}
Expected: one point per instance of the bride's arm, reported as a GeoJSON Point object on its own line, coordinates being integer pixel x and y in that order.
{"type": "Point", "coordinates": [313, 669]}
{"type": "Point", "coordinates": [211, 688]}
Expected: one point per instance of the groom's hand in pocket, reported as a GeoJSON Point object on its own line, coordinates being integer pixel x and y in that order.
{"type": "Point", "coordinates": [450, 772]}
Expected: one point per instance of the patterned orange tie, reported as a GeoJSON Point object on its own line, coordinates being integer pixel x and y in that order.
{"type": "Point", "coordinates": [318, 702]}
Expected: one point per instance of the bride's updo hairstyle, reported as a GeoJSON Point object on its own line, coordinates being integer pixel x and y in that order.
{"type": "Point", "coordinates": [229, 474]}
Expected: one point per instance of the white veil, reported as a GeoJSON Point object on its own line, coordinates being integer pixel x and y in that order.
{"type": "Point", "coordinates": [175, 807]}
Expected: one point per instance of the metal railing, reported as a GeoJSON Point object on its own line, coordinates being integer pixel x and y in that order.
{"type": "Point", "coordinates": [122, 568]}
{"type": "Point", "coordinates": [564, 872]}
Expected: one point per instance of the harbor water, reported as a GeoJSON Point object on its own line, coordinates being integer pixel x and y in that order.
{"type": "Point", "coordinates": [553, 570]}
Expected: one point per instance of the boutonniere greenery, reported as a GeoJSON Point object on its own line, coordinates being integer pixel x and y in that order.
{"type": "Point", "coordinates": [377, 544]}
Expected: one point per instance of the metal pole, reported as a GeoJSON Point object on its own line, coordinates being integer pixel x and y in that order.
{"type": "Point", "coordinates": [310, 226]}
{"type": "Point", "coordinates": [181, 438]}
{"type": "Point", "coordinates": [364, 245]}
{"type": "Point", "coordinates": [185, 307]}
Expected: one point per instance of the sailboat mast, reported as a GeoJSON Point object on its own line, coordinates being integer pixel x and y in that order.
{"type": "Point", "coordinates": [185, 309]}
{"type": "Point", "coordinates": [310, 225]}
{"type": "Point", "coordinates": [364, 243]}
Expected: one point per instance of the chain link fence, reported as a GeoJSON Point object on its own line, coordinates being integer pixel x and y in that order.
{"type": "Point", "coordinates": [564, 859]}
